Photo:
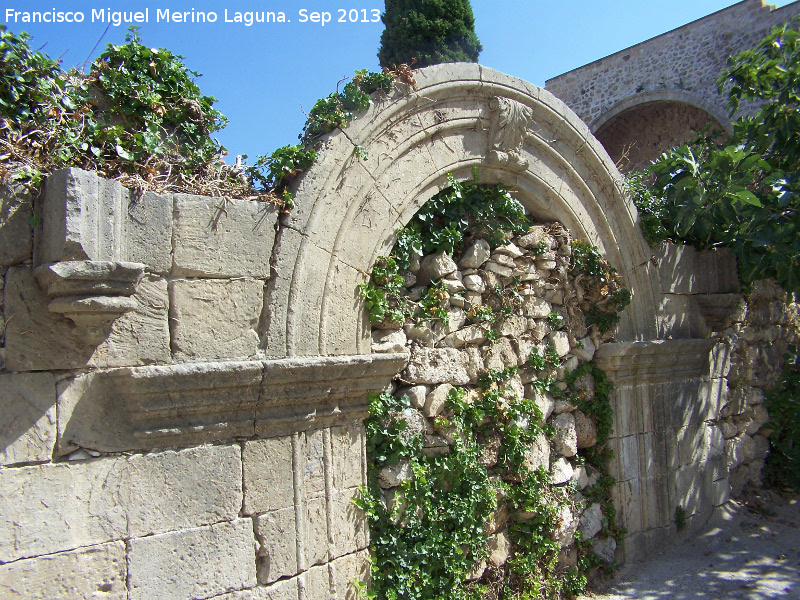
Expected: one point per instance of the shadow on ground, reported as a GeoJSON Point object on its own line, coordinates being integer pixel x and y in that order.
{"type": "Point", "coordinates": [741, 554]}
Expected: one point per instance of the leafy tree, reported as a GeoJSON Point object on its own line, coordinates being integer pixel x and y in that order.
{"type": "Point", "coordinates": [430, 31]}
{"type": "Point", "coordinates": [743, 192]}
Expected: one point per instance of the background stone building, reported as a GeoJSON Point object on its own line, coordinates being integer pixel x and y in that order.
{"type": "Point", "coordinates": [642, 100]}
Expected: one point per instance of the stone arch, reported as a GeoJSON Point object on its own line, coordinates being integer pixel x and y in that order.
{"type": "Point", "coordinates": [639, 128]}
{"type": "Point", "coordinates": [373, 176]}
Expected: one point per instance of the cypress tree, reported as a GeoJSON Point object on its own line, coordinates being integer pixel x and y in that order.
{"type": "Point", "coordinates": [432, 31]}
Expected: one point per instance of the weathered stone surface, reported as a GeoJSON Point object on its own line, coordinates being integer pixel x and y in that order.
{"type": "Point", "coordinates": [215, 319]}
{"type": "Point", "coordinates": [16, 236]}
{"type": "Point", "coordinates": [581, 477]}
{"type": "Point", "coordinates": [561, 471]}
{"type": "Point", "coordinates": [514, 326]}
{"type": "Point", "coordinates": [86, 217]}
{"type": "Point", "coordinates": [195, 563]}
{"type": "Point", "coordinates": [560, 342]}
{"type": "Point", "coordinates": [416, 395]}
{"type": "Point", "coordinates": [591, 521]}
{"type": "Point", "coordinates": [474, 283]}
{"type": "Point", "coordinates": [503, 259]}
{"type": "Point", "coordinates": [435, 266]}
{"type": "Point", "coordinates": [347, 445]}
{"type": "Point", "coordinates": [93, 572]}
{"type": "Point", "coordinates": [605, 549]}
{"type": "Point", "coordinates": [564, 533]}
{"type": "Point", "coordinates": [501, 270]}
{"type": "Point", "coordinates": [37, 339]}
{"type": "Point", "coordinates": [314, 454]}
{"type": "Point", "coordinates": [349, 528]}
{"type": "Point", "coordinates": [739, 450]}
{"type": "Point", "coordinates": [453, 285]}
{"type": "Point", "coordinates": [421, 334]}
{"type": "Point", "coordinates": [346, 571]}
{"type": "Point", "coordinates": [393, 475]}
{"type": "Point", "coordinates": [536, 308]}
{"type": "Point", "coordinates": [52, 508]}
{"type": "Point", "coordinates": [568, 557]}
{"type": "Point", "coordinates": [535, 237]}
{"type": "Point", "coordinates": [585, 349]}
{"type": "Point", "coordinates": [563, 406]}
{"type": "Point", "coordinates": [277, 545]}
{"type": "Point", "coordinates": [499, 546]}
{"type": "Point", "coordinates": [500, 355]}
{"type": "Point", "coordinates": [316, 545]}
{"type": "Point", "coordinates": [435, 401]}
{"type": "Point", "coordinates": [585, 429]}
{"type": "Point", "coordinates": [220, 237]}
{"type": "Point", "coordinates": [490, 450]}
{"type": "Point", "coordinates": [282, 590]}
{"type": "Point", "coordinates": [473, 334]}
{"type": "Point", "coordinates": [543, 400]}
{"type": "Point", "coordinates": [268, 475]}
{"type": "Point", "coordinates": [388, 340]}
{"type": "Point", "coordinates": [28, 418]}
{"type": "Point", "coordinates": [475, 255]}
{"type": "Point", "coordinates": [437, 365]}
{"type": "Point", "coordinates": [538, 455]}
{"type": "Point", "coordinates": [565, 440]}
{"type": "Point", "coordinates": [476, 572]}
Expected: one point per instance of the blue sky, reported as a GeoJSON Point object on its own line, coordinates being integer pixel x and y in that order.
{"type": "Point", "coordinates": [265, 75]}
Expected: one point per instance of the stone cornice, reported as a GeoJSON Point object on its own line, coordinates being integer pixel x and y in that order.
{"type": "Point", "coordinates": [635, 363]}
{"type": "Point", "coordinates": [187, 404]}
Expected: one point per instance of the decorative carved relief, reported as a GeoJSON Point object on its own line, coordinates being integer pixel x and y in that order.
{"type": "Point", "coordinates": [510, 121]}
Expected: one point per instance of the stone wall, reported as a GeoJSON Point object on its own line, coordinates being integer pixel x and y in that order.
{"type": "Point", "coordinates": [148, 449]}
{"type": "Point", "coordinates": [184, 378]}
{"type": "Point", "coordinates": [640, 100]}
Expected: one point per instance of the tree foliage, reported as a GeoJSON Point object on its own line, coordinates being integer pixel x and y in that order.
{"type": "Point", "coordinates": [743, 192]}
{"type": "Point", "coordinates": [430, 31]}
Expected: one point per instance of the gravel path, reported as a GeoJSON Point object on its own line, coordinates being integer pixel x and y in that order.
{"type": "Point", "coordinates": [740, 554]}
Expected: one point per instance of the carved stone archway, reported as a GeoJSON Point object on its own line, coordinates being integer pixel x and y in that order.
{"type": "Point", "coordinates": [372, 177]}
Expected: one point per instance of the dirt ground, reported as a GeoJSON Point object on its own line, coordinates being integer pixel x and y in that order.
{"type": "Point", "coordinates": [747, 550]}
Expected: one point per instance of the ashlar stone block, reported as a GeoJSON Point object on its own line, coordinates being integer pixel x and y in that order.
{"type": "Point", "coordinates": [347, 445]}
{"type": "Point", "coordinates": [220, 237]}
{"type": "Point", "coordinates": [349, 569]}
{"type": "Point", "coordinates": [93, 572]}
{"type": "Point", "coordinates": [193, 564]}
{"type": "Point", "coordinates": [57, 507]}
{"type": "Point", "coordinates": [28, 417]}
{"type": "Point", "coordinates": [349, 524]}
{"type": "Point", "coordinates": [215, 318]}
{"type": "Point", "coordinates": [268, 475]}
{"type": "Point", "coordinates": [276, 532]}
{"type": "Point", "coordinates": [15, 230]}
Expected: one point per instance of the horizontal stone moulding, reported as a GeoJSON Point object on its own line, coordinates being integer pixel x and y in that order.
{"type": "Point", "coordinates": [656, 361]}
{"type": "Point", "coordinates": [183, 405]}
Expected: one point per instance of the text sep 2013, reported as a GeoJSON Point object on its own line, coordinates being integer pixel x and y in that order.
{"type": "Point", "coordinates": [165, 15]}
